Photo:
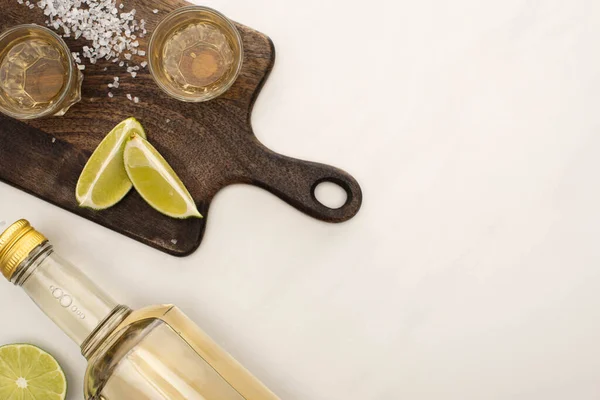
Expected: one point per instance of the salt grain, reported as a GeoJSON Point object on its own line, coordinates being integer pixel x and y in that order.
{"type": "Point", "coordinates": [53, 140]}
{"type": "Point", "coordinates": [111, 95]}
{"type": "Point", "coordinates": [97, 21]}
{"type": "Point", "coordinates": [136, 99]}
{"type": "Point", "coordinates": [155, 11]}
{"type": "Point", "coordinates": [129, 96]}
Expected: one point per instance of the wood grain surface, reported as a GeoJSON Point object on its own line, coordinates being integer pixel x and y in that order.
{"type": "Point", "coordinates": [210, 145]}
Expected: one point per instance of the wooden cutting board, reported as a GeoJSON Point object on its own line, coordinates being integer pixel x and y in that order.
{"type": "Point", "coordinates": [210, 145]}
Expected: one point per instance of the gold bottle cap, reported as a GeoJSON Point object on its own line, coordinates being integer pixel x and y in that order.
{"type": "Point", "coordinates": [16, 242]}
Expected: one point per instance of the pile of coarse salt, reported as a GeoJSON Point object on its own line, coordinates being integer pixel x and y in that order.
{"type": "Point", "coordinates": [112, 33]}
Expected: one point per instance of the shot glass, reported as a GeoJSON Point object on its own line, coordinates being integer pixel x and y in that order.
{"type": "Point", "coordinates": [38, 77]}
{"type": "Point", "coordinates": [195, 54]}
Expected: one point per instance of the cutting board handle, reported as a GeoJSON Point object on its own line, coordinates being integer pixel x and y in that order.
{"type": "Point", "coordinates": [295, 181]}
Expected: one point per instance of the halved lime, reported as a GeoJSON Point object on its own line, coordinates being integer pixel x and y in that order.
{"type": "Point", "coordinates": [29, 373]}
{"type": "Point", "coordinates": [103, 181]}
{"type": "Point", "coordinates": [156, 181]}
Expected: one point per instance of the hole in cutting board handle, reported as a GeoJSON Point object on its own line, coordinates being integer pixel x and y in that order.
{"type": "Point", "coordinates": [331, 193]}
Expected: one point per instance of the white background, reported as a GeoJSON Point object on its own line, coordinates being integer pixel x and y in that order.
{"type": "Point", "coordinates": [473, 269]}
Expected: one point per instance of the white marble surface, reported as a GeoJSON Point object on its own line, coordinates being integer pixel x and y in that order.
{"type": "Point", "coordinates": [473, 270]}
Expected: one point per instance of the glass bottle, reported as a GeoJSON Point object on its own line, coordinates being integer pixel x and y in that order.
{"type": "Point", "coordinates": [154, 353]}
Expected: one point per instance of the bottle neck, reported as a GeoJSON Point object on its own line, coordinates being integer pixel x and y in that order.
{"type": "Point", "coordinates": [104, 330]}
{"type": "Point", "coordinates": [75, 303]}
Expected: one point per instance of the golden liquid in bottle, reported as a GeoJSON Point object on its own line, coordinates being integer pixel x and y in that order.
{"type": "Point", "coordinates": [162, 355]}
{"type": "Point", "coordinates": [162, 366]}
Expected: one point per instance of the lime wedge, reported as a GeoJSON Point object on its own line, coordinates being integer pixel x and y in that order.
{"type": "Point", "coordinates": [103, 181]}
{"type": "Point", "coordinates": [155, 180]}
{"type": "Point", "coordinates": [28, 372]}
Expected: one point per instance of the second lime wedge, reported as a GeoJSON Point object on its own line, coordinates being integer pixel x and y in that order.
{"type": "Point", "coordinates": [104, 181]}
{"type": "Point", "coordinates": [155, 180]}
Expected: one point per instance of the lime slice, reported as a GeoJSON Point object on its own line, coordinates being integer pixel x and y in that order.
{"type": "Point", "coordinates": [156, 181]}
{"type": "Point", "coordinates": [29, 373]}
{"type": "Point", "coordinates": [103, 181]}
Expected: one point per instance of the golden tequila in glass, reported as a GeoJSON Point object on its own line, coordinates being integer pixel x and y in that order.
{"type": "Point", "coordinates": [195, 54]}
{"type": "Point", "coordinates": [156, 353]}
{"type": "Point", "coordinates": [38, 76]}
